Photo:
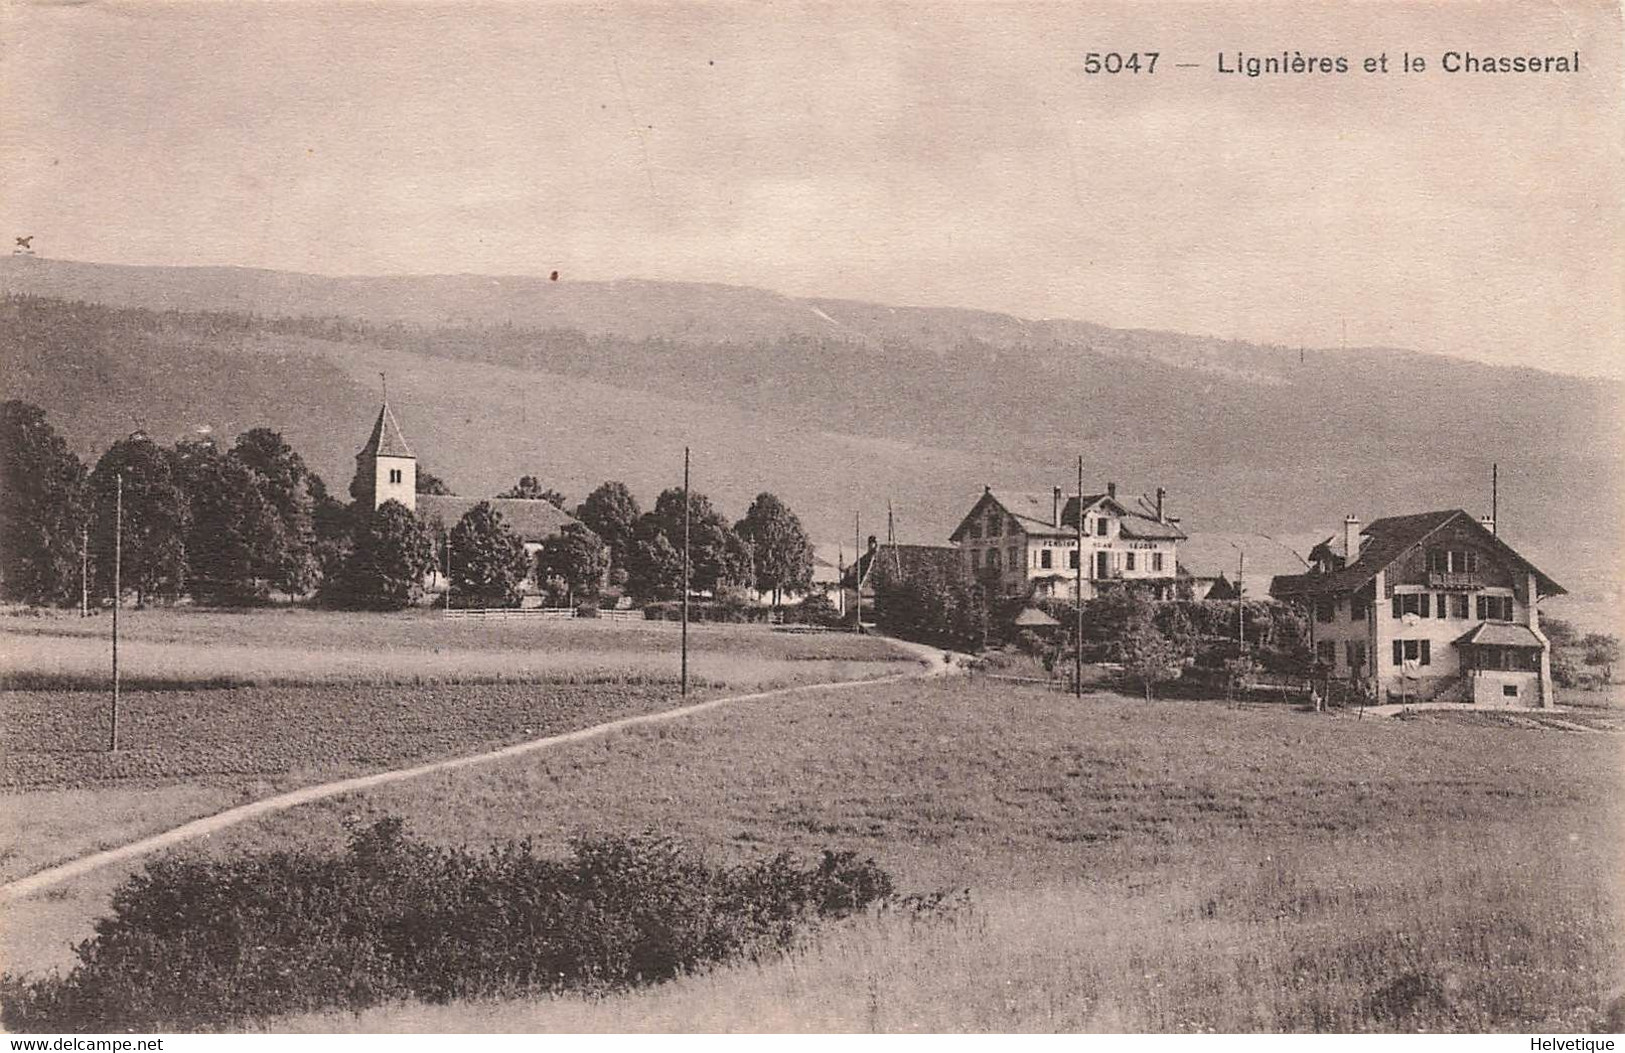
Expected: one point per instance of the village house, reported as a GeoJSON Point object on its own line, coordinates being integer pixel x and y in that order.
{"type": "Point", "coordinates": [1023, 542]}
{"type": "Point", "coordinates": [1427, 607]}
{"type": "Point", "coordinates": [387, 470]}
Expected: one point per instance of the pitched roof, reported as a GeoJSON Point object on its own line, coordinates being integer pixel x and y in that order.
{"type": "Point", "coordinates": [534, 521]}
{"type": "Point", "coordinates": [1390, 539]}
{"type": "Point", "coordinates": [1035, 513]}
{"type": "Point", "coordinates": [386, 439]}
{"type": "Point", "coordinates": [1032, 618]}
{"type": "Point", "coordinates": [943, 560]}
{"type": "Point", "coordinates": [1501, 634]}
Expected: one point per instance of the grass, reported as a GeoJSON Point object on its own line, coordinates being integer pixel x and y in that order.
{"type": "Point", "coordinates": [1171, 866]}
{"type": "Point", "coordinates": [1165, 866]}
{"type": "Point", "coordinates": [172, 649]}
{"type": "Point", "coordinates": [226, 707]}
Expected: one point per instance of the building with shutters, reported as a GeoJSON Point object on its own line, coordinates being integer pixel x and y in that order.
{"type": "Point", "coordinates": [1427, 607]}
{"type": "Point", "coordinates": [1027, 544]}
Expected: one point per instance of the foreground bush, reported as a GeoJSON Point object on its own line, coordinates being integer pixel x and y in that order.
{"type": "Point", "coordinates": [194, 944]}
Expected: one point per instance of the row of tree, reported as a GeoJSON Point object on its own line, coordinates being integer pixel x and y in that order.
{"type": "Point", "coordinates": [233, 525]}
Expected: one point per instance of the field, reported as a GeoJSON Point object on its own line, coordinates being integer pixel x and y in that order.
{"type": "Point", "coordinates": [233, 707]}
{"type": "Point", "coordinates": [1174, 865]}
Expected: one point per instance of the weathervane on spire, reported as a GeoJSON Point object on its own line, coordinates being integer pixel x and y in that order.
{"type": "Point", "coordinates": [25, 246]}
{"type": "Point", "coordinates": [385, 382]}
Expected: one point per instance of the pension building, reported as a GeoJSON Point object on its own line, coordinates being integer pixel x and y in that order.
{"type": "Point", "coordinates": [1027, 543]}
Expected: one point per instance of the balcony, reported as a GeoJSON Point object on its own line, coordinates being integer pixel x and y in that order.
{"type": "Point", "coordinates": [1438, 579]}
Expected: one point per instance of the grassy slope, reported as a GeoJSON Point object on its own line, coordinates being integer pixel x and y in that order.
{"type": "Point", "coordinates": [1171, 866]}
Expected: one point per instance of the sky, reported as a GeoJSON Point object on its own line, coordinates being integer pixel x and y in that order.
{"type": "Point", "coordinates": [935, 154]}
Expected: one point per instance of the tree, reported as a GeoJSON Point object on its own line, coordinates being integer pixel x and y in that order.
{"type": "Point", "coordinates": [1602, 649]}
{"type": "Point", "coordinates": [529, 488]}
{"type": "Point", "coordinates": [782, 555]}
{"type": "Point", "coordinates": [42, 508]}
{"type": "Point", "coordinates": [236, 540]}
{"type": "Point", "coordinates": [1148, 655]}
{"type": "Point", "coordinates": [612, 513]}
{"type": "Point", "coordinates": [291, 488]}
{"type": "Point", "coordinates": [155, 518]}
{"type": "Point", "coordinates": [488, 561]}
{"type": "Point", "coordinates": [576, 558]}
{"type": "Point", "coordinates": [717, 556]}
{"type": "Point", "coordinates": [384, 568]}
{"type": "Point", "coordinates": [654, 565]}
{"type": "Point", "coordinates": [430, 483]}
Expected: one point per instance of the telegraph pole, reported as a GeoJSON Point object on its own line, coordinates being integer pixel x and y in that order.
{"type": "Point", "coordinates": [448, 571]}
{"type": "Point", "coordinates": [857, 572]}
{"type": "Point", "coordinates": [1077, 640]}
{"type": "Point", "coordinates": [685, 570]}
{"type": "Point", "coordinates": [118, 587]}
{"type": "Point", "coordinates": [84, 570]}
{"type": "Point", "coordinates": [1241, 606]}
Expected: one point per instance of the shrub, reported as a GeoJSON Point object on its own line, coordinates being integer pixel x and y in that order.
{"type": "Point", "coordinates": [194, 943]}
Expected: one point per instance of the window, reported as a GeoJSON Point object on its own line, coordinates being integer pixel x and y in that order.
{"type": "Point", "coordinates": [973, 558]}
{"type": "Point", "coordinates": [1046, 558]}
{"type": "Point", "coordinates": [1354, 652]}
{"type": "Point", "coordinates": [1440, 610]}
{"type": "Point", "coordinates": [394, 475]}
{"type": "Point", "coordinates": [1103, 564]}
{"type": "Point", "coordinates": [973, 530]}
{"type": "Point", "coordinates": [1418, 651]}
{"type": "Point", "coordinates": [1509, 690]}
{"type": "Point", "coordinates": [1358, 608]}
{"type": "Point", "coordinates": [1495, 608]}
{"type": "Point", "coordinates": [1012, 557]}
{"type": "Point", "coordinates": [995, 524]}
{"type": "Point", "coordinates": [1156, 562]}
{"type": "Point", "coordinates": [1072, 560]}
{"type": "Point", "coordinates": [992, 559]}
{"type": "Point", "coordinates": [1411, 603]}
{"type": "Point", "coordinates": [1325, 610]}
{"type": "Point", "coordinates": [1438, 561]}
{"type": "Point", "coordinates": [1463, 561]}
{"type": "Point", "coordinates": [1101, 526]}
{"type": "Point", "coordinates": [1326, 653]}
{"type": "Point", "coordinates": [1458, 605]}
{"type": "Point", "coordinates": [1128, 561]}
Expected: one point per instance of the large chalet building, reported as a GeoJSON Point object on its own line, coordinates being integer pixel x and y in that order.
{"type": "Point", "coordinates": [1024, 542]}
{"type": "Point", "coordinates": [1427, 607]}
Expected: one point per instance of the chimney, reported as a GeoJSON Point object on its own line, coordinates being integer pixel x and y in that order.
{"type": "Point", "coordinates": [1111, 491]}
{"type": "Point", "coordinates": [1055, 508]}
{"type": "Point", "coordinates": [1351, 539]}
{"type": "Point", "coordinates": [1487, 522]}
{"type": "Point", "coordinates": [1161, 496]}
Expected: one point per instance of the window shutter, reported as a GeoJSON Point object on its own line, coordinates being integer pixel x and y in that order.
{"type": "Point", "coordinates": [1398, 610]}
{"type": "Point", "coordinates": [1424, 604]}
{"type": "Point", "coordinates": [1399, 652]}
{"type": "Point", "coordinates": [1426, 656]}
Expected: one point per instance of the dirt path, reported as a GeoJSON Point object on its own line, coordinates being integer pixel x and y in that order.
{"type": "Point", "coordinates": [932, 660]}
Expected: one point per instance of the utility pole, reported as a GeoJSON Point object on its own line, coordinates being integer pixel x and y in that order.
{"type": "Point", "coordinates": [84, 570]}
{"type": "Point", "coordinates": [448, 571]}
{"type": "Point", "coordinates": [1495, 499]}
{"type": "Point", "coordinates": [1077, 642]}
{"type": "Point", "coordinates": [685, 570]}
{"type": "Point", "coordinates": [118, 587]}
{"type": "Point", "coordinates": [1241, 606]}
{"type": "Point", "coordinates": [857, 572]}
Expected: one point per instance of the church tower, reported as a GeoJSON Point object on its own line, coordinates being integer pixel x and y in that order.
{"type": "Point", "coordinates": [386, 470]}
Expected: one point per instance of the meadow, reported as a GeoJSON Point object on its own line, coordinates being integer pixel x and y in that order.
{"type": "Point", "coordinates": [1176, 865]}
{"type": "Point", "coordinates": [1122, 865]}
{"type": "Point", "coordinates": [221, 708]}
